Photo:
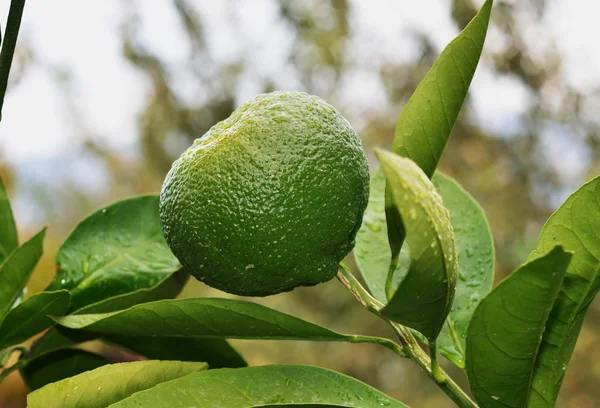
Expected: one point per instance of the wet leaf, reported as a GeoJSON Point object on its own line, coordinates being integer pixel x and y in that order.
{"type": "Point", "coordinates": [423, 299]}
{"type": "Point", "coordinates": [116, 250]}
{"type": "Point", "coordinates": [259, 387]}
{"type": "Point", "coordinates": [426, 121]}
{"type": "Point", "coordinates": [108, 384]}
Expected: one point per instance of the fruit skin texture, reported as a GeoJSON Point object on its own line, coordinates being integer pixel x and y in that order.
{"type": "Point", "coordinates": [270, 198]}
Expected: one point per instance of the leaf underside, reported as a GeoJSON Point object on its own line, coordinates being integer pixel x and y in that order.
{"type": "Point", "coordinates": [426, 121]}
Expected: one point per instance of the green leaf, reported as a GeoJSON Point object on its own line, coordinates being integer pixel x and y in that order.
{"type": "Point", "coordinates": [576, 227]}
{"type": "Point", "coordinates": [59, 365]}
{"type": "Point", "coordinates": [217, 353]}
{"type": "Point", "coordinates": [475, 256]}
{"type": "Point", "coordinates": [116, 250]}
{"type": "Point", "coordinates": [505, 333]}
{"type": "Point", "coordinates": [16, 270]}
{"type": "Point", "coordinates": [56, 339]}
{"type": "Point", "coordinates": [425, 295]}
{"type": "Point", "coordinates": [108, 384]}
{"type": "Point", "coordinates": [8, 233]}
{"type": "Point", "coordinates": [259, 387]}
{"type": "Point", "coordinates": [31, 317]}
{"type": "Point", "coordinates": [169, 288]}
{"type": "Point", "coordinates": [427, 119]}
{"type": "Point", "coordinates": [202, 317]}
{"type": "Point", "coordinates": [475, 249]}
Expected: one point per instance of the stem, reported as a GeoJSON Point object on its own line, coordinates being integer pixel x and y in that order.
{"type": "Point", "coordinates": [436, 370]}
{"type": "Point", "coordinates": [389, 281]}
{"type": "Point", "coordinates": [416, 354]}
{"type": "Point", "coordinates": [8, 46]}
{"type": "Point", "coordinates": [392, 345]}
{"type": "Point", "coordinates": [410, 346]}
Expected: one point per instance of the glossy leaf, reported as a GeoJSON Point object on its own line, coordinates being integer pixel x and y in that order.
{"type": "Point", "coordinates": [116, 250]}
{"type": "Point", "coordinates": [16, 270]}
{"type": "Point", "coordinates": [56, 339]}
{"type": "Point", "coordinates": [475, 257]}
{"type": "Point", "coordinates": [202, 317]}
{"type": "Point", "coordinates": [31, 317]}
{"type": "Point", "coordinates": [259, 387]}
{"type": "Point", "coordinates": [59, 365]}
{"type": "Point", "coordinates": [475, 249]}
{"type": "Point", "coordinates": [505, 333]}
{"type": "Point", "coordinates": [426, 121]}
{"type": "Point", "coordinates": [424, 297]}
{"type": "Point", "coordinates": [576, 227]}
{"type": "Point", "coordinates": [8, 229]}
{"type": "Point", "coordinates": [217, 353]}
{"type": "Point", "coordinates": [106, 385]}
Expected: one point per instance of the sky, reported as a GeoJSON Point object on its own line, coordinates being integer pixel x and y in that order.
{"type": "Point", "coordinates": [82, 37]}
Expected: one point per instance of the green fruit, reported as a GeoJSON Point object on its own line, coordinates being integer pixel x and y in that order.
{"type": "Point", "coordinates": [269, 199]}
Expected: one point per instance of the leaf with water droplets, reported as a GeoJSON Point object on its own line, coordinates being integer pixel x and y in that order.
{"type": "Point", "coordinates": [504, 336]}
{"type": "Point", "coordinates": [475, 256]}
{"type": "Point", "coordinates": [428, 117]}
{"type": "Point", "coordinates": [261, 387]}
{"type": "Point", "coordinates": [423, 299]}
{"type": "Point", "coordinates": [475, 249]}
{"type": "Point", "coordinates": [108, 384]}
{"type": "Point", "coordinates": [116, 250]}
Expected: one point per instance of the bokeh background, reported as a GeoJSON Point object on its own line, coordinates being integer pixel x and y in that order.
{"type": "Point", "coordinates": [104, 95]}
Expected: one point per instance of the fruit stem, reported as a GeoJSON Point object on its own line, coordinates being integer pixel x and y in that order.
{"type": "Point", "coordinates": [8, 45]}
{"type": "Point", "coordinates": [410, 346]}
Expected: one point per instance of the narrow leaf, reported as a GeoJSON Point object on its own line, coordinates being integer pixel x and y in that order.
{"type": "Point", "coordinates": [31, 317]}
{"type": "Point", "coordinates": [108, 384]}
{"type": "Point", "coordinates": [576, 227]}
{"type": "Point", "coordinates": [259, 387]}
{"type": "Point", "coordinates": [16, 270]}
{"type": "Point", "coordinates": [116, 250]}
{"type": "Point", "coordinates": [217, 353]}
{"type": "Point", "coordinates": [425, 295]}
{"type": "Point", "coordinates": [8, 228]}
{"type": "Point", "coordinates": [202, 317]}
{"type": "Point", "coordinates": [506, 330]}
{"type": "Point", "coordinates": [59, 365]}
{"type": "Point", "coordinates": [427, 119]}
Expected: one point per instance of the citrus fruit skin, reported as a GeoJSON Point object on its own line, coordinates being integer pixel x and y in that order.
{"type": "Point", "coordinates": [270, 198]}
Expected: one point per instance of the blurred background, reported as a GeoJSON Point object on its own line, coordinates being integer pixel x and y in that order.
{"type": "Point", "coordinates": [104, 95]}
